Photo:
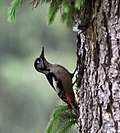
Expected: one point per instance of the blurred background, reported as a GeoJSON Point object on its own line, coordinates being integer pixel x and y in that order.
{"type": "Point", "coordinates": [26, 98]}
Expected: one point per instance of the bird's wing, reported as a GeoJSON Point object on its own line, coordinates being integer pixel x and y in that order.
{"type": "Point", "coordinates": [57, 85]}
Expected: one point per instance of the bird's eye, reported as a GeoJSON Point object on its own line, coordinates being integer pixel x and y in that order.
{"type": "Point", "coordinates": [38, 61]}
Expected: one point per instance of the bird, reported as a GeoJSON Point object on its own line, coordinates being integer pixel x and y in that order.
{"type": "Point", "coordinates": [59, 78]}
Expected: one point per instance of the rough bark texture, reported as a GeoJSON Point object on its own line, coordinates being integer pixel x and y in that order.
{"type": "Point", "coordinates": [99, 66]}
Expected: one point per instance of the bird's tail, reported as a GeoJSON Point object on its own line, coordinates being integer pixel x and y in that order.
{"type": "Point", "coordinates": [70, 98]}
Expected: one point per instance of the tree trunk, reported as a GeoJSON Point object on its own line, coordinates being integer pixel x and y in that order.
{"type": "Point", "coordinates": [98, 52]}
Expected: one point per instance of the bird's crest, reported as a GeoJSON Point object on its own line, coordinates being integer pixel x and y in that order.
{"type": "Point", "coordinates": [41, 64]}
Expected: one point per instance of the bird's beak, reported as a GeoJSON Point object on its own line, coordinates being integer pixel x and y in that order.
{"type": "Point", "coordinates": [42, 53]}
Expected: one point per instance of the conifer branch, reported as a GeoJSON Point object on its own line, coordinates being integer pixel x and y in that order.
{"type": "Point", "coordinates": [61, 120]}
{"type": "Point", "coordinates": [68, 8]}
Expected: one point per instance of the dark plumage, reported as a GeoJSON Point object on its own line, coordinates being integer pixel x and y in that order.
{"type": "Point", "coordinates": [59, 78]}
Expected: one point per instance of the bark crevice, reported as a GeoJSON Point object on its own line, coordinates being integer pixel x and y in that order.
{"type": "Point", "coordinates": [98, 52]}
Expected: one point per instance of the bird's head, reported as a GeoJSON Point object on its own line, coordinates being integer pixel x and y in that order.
{"type": "Point", "coordinates": [41, 64]}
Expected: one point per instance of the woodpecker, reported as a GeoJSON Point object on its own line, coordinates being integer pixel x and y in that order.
{"type": "Point", "coordinates": [59, 78]}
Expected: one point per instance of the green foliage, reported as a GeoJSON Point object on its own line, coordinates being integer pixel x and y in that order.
{"type": "Point", "coordinates": [66, 127]}
{"type": "Point", "coordinates": [67, 15]}
{"type": "Point", "coordinates": [53, 9]}
{"type": "Point", "coordinates": [12, 9]}
{"type": "Point", "coordinates": [61, 120]}
{"type": "Point", "coordinates": [78, 4]}
{"type": "Point", "coordinates": [67, 8]}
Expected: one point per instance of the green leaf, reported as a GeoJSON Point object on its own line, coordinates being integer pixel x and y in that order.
{"type": "Point", "coordinates": [78, 4]}
{"type": "Point", "coordinates": [66, 9]}
{"type": "Point", "coordinates": [53, 9]}
{"type": "Point", "coordinates": [54, 119]}
{"type": "Point", "coordinates": [12, 9]}
{"type": "Point", "coordinates": [61, 119]}
{"type": "Point", "coordinates": [66, 127]}
{"type": "Point", "coordinates": [67, 18]}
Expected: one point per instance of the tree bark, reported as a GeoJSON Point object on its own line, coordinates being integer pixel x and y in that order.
{"type": "Point", "coordinates": [98, 54]}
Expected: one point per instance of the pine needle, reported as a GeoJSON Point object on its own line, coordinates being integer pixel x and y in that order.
{"type": "Point", "coordinates": [61, 119]}
{"type": "Point", "coordinates": [54, 119]}
{"type": "Point", "coordinates": [68, 8]}
{"type": "Point", "coordinates": [78, 4]}
{"type": "Point", "coordinates": [12, 9]}
{"type": "Point", "coordinates": [66, 127]}
{"type": "Point", "coordinates": [53, 9]}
